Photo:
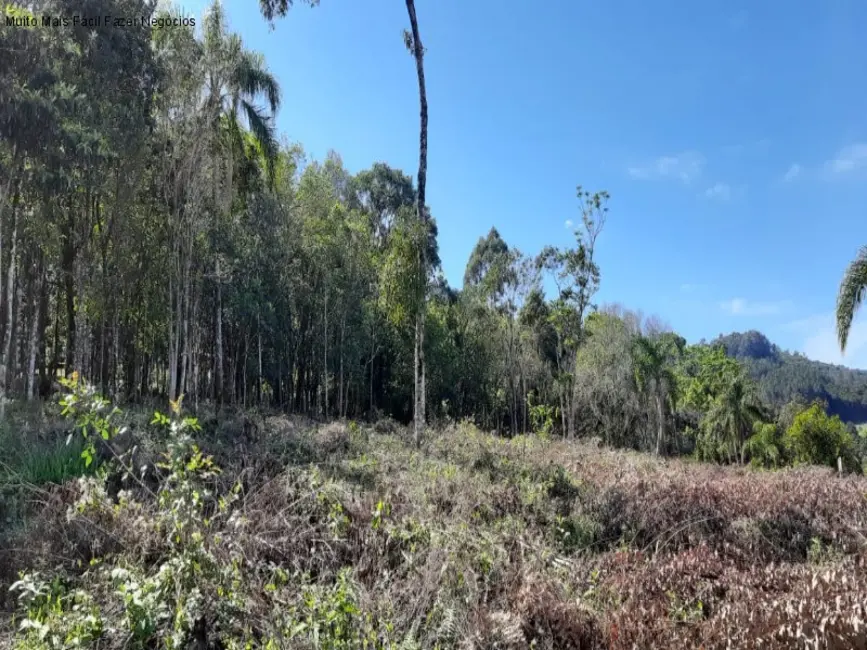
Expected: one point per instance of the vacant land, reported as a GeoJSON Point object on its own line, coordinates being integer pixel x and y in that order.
{"type": "Point", "coordinates": [343, 536]}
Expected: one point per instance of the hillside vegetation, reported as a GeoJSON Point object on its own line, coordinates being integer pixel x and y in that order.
{"type": "Point", "coordinates": [783, 376]}
{"type": "Point", "coordinates": [347, 536]}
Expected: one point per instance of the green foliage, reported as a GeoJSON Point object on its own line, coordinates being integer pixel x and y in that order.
{"type": "Point", "coordinates": [55, 617]}
{"type": "Point", "coordinates": [188, 585]}
{"type": "Point", "coordinates": [402, 294]}
{"type": "Point", "coordinates": [851, 295]}
{"type": "Point", "coordinates": [330, 617]}
{"type": "Point", "coordinates": [704, 374]}
{"type": "Point", "coordinates": [471, 536]}
{"type": "Point", "coordinates": [542, 417]}
{"type": "Point", "coordinates": [717, 387]}
{"type": "Point", "coordinates": [489, 268]}
{"type": "Point", "coordinates": [765, 448]}
{"type": "Point", "coordinates": [91, 414]}
{"type": "Point", "coordinates": [785, 377]}
{"type": "Point", "coordinates": [575, 533]}
{"type": "Point", "coordinates": [816, 438]}
{"type": "Point", "coordinates": [40, 464]}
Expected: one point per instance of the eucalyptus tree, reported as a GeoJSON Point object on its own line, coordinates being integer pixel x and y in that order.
{"type": "Point", "coordinates": [489, 268]}
{"type": "Point", "coordinates": [380, 192]}
{"type": "Point", "coordinates": [412, 40]}
{"type": "Point", "coordinates": [501, 278]}
{"type": "Point", "coordinates": [576, 277]}
{"type": "Point", "coordinates": [605, 392]}
{"type": "Point", "coordinates": [67, 155]}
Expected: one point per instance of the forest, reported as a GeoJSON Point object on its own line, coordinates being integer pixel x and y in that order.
{"type": "Point", "coordinates": [178, 281]}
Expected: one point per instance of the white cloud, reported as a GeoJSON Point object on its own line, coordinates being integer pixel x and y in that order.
{"type": "Point", "coordinates": [756, 147]}
{"type": "Point", "coordinates": [684, 167]}
{"type": "Point", "coordinates": [719, 191]}
{"type": "Point", "coordinates": [819, 341]}
{"type": "Point", "coordinates": [689, 287]}
{"type": "Point", "coordinates": [848, 159]}
{"type": "Point", "coordinates": [568, 224]}
{"type": "Point", "coordinates": [743, 307]}
{"type": "Point", "coordinates": [724, 192]}
{"type": "Point", "coordinates": [793, 173]}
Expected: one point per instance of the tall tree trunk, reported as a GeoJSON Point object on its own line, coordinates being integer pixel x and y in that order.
{"type": "Point", "coordinates": [244, 371]}
{"type": "Point", "coordinates": [81, 325]}
{"type": "Point", "coordinates": [4, 198]}
{"type": "Point", "coordinates": [372, 368]}
{"type": "Point", "coordinates": [421, 213]}
{"type": "Point", "coordinates": [416, 392]}
{"type": "Point", "coordinates": [10, 313]}
{"type": "Point", "coordinates": [218, 388]}
{"type": "Point", "coordinates": [36, 312]}
{"type": "Point", "coordinates": [174, 317]}
{"type": "Point", "coordinates": [341, 410]}
{"type": "Point", "coordinates": [423, 387]}
{"type": "Point", "coordinates": [196, 346]}
{"type": "Point", "coordinates": [185, 331]}
{"type": "Point", "coordinates": [660, 423]}
{"type": "Point", "coordinates": [259, 346]}
{"type": "Point", "coordinates": [115, 355]}
{"type": "Point", "coordinates": [42, 353]}
{"type": "Point", "coordinates": [325, 357]}
{"type": "Point", "coordinates": [19, 356]}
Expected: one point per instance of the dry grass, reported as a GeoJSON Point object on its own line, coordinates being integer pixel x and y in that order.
{"type": "Point", "coordinates": [476, 542]}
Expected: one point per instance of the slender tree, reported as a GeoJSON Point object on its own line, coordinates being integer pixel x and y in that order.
{"type": "Point", "coordinates": [414, 45]}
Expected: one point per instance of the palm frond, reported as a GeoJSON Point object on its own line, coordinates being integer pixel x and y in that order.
{"type": "Point", "coordinates": [233, 131]}
{"type": "Point", "coordinates": [263, 131]}
{"type": "Point", "coordinates": [851, 295]}
{"type": "Point", "coordinates": [252, 79]}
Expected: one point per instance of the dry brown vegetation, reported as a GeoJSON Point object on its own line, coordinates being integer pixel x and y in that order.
{"type": "Point", "coordinates": [480, 542]}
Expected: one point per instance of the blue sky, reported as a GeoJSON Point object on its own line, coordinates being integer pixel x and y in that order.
{"type": "Point", "coordinates": [732, 137]}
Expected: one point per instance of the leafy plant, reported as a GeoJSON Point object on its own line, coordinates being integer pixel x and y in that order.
{"type": "Point", "coordinates": [91, 412]}
{"type": "Point", "coordinates": [817, 438]}
{"type": "Point", "coordinates": [542, 417]}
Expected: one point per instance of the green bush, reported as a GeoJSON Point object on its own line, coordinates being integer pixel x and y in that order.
{"type": "Point", "coordinates": [818, 439]}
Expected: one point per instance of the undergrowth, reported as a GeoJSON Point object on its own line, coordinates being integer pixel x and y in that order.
{"type": "Point", "coordinates": [288, 534]}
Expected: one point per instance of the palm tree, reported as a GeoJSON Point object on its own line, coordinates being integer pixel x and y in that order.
{"type": "Point", "coordinates": [654, 375]}
{"type": "Point", "coordinates": [851, 295]}
{"type": "Point", "coordinates": [733, 415]}
{"type": "Point", "coordinates": [235, 78]}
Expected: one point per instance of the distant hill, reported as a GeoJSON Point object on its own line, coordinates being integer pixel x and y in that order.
{"type": "Point", "coordinates": [784, 375]}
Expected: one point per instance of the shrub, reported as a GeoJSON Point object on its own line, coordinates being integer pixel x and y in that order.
{"type": "Point", "coordinates": [816, 438]}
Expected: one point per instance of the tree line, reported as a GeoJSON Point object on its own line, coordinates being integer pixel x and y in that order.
{"type": "Point", "coordinates": [159, 237]}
